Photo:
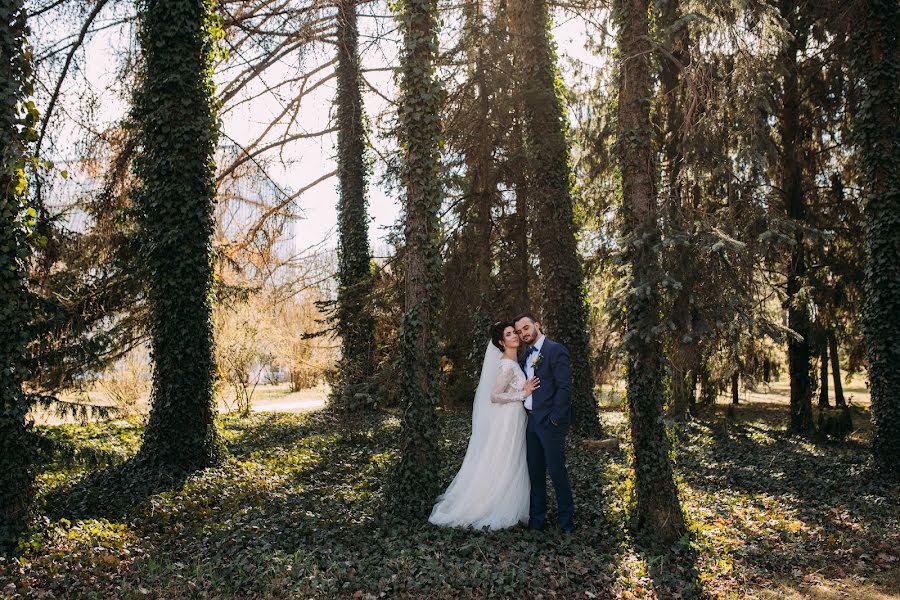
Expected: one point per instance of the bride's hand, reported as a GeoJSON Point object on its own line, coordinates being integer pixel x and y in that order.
{"type": "Point", "coordinates": [531, 385]}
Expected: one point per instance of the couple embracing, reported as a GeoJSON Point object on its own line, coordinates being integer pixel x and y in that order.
{"type": "Point", "coordinates": [521, 413]}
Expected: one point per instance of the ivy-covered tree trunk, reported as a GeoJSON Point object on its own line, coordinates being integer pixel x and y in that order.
{"type": "Point", "coordinates": [839, 400]}
{"type": "Point", "coordinates": [564, 304]}
{"type": "Point", "coordinates": [355, 322]}
{"type": "Point", "coordinates": [877, 60]}
{"type": "Point", "coordinates": [16, 220]}
{"type": "Point", "coordinates": [791, 186]}
{"type": "Point", "coordinates": [175, 113]}
{"type": "Point", "coordinates": [420, 128]}
{"type": "Point", "coordinates": [657, 508]}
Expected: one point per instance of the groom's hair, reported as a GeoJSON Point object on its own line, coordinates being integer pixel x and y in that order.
{"type": "Point", "coordinates": [527, 315]}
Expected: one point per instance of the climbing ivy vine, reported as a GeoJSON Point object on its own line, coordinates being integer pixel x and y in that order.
{"type": "Point", "coordinates": [877, 60]}
{"type": "Point", "coordinates": [355, 323]}
{"type": "Point", "coordinates": [175, 114]}
{"type": "Point", "coordinates": [17, 130]}
{"type": "Point", "coordinates": [656, 508]}
{"type": "Point", "coordinates": [420, 131]}
{"type": "Point", "coordinates": [564, 304]}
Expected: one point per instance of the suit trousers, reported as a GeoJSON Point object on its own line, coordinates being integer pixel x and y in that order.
{"type": "Point", "coordinates": [545, 446]}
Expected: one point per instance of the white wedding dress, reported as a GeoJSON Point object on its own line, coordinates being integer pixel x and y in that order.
{"type": "Point", "coordinates": [491, 488]}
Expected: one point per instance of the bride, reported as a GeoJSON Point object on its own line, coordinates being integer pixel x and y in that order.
{"type": "Point", "coordinates": [491, 488]}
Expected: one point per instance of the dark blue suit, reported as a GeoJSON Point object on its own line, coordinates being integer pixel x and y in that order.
{"type": "Point", "coordinates": [545, 436]}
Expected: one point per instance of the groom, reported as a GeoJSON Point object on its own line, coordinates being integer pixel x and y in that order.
{"type": "Point", "coordinates": [549, 411]}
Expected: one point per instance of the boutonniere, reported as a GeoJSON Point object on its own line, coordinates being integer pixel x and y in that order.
{"type": "Point", "coordinates": [537, 361]}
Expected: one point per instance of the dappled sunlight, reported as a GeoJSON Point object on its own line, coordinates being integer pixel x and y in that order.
{"type": "Point", "coordinates": [298, 509]}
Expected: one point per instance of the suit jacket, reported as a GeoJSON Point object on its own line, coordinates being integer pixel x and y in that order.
{"type": "Point", "coordinates": [553, 400]}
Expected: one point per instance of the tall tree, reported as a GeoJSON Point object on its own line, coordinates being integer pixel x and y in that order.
{"type": "Point", "coordinates": [17, 121]}
{"type": "Point", "coordinates": [175, 113]}
{"type": "Point", "coordinates": [877, 60]}
{"type": "Point", "coordinates": [473, 130]}
{"type": "Point", "coordinates": [658, 510]}
{"type": "Point", "coordinates": [790, 184]}
{"type": "Point", "coordinates": [354, 321]}
{"type": "Point", "coordinates": [674, 55]}
{"type": "Point", "coordinates": [561, 282]}
{"type": "Point", "coordinates": [420, 131]}
{"type": "Point", "coordinates": [836, 370]}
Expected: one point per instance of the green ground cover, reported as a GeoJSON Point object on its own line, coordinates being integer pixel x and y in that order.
{"type": "Point", "coordinates": [298, 511]}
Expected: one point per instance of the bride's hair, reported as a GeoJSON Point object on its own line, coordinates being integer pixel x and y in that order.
{"type": "Point", "coordinates": [497, 330]}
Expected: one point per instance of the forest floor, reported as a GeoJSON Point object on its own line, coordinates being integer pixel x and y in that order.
{"type": "Point", "coordinates": [298, 511]}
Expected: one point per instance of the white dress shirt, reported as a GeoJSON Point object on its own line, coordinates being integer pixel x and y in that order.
{"type": "Point", "coordinates": [529, 366]}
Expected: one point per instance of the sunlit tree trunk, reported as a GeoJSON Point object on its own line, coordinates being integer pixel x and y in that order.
{"type": "Point", "coordinates": [355, 323]}
{"type": "Point", "coordinates": [658, 510]}
{"type": "Point", "coordinates": [175, 112]}
{"type": "Point", "coordinates": [16, 452]}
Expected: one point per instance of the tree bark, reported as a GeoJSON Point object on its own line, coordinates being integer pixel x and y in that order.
{"type": "Point", "coordinates": [564, 298]}
{"type": "Point", "coordinates": [673, 57]}
{"type": "Point", "coordinates": [658, 511]}
{"type": "Point", "coordinates": [735, 390]}
{"type": "Point", "coordinates": [416, 477]}
{"type": "Point", "coordinates": [791, 185]}
{"type": "Point", "coordinates": [823, 377]}
{"type": "Point", "coordinates": [877, 60]}
{"type": "Point", "coordinates": [355, 323]}
{"type": "Point", "coordinates": [836, 371]}
{"type": "Point", "coordinates": [16, 451]}
{"type": "Point", "coordinates": [175, 109]}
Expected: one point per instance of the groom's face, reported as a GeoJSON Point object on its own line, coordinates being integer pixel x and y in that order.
{"type": "Point", "coordinates": [528, 330]}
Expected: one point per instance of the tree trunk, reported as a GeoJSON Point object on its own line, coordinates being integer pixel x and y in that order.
{"type": "Point", "coordinates": [836, 371]}
{"type": "Point", "coordinates": [515, 264]}
{"type": "Point", "coordinates": [416, 477]}
{"type": "Point", "coordinates": [735, 380]}
{"type": "Point", "coordinates": [877, 60]}
{"type": "Point", "coordinates": [791, 185]}
{"type": "Point", "coordinates": [16, 464]}
{"type": "Point", "coordinates": [658, 511]}
{"type": "Point", "coordinates": [564, 298]}
{"type": "Point", "coordinates": [175, 109]}
{"type": "Point", "coordinates": [673, 56]}
{"type": "Point", "coordinates": [354, 320]}
{"type": "Point", "coordinates": [823, 377]}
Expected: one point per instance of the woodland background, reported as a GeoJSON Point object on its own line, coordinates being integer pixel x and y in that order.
{"type": "Point", "coordinates": [700, 199]}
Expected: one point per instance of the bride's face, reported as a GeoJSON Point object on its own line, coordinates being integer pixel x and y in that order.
{"type": "Point", "coordinates": [510, 338]}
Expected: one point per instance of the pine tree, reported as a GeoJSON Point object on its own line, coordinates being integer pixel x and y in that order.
{"type": "Point", "coordinates": [795, 207]}
{"type": "Point", "coordinates": [175, 113]}
{"type": "Point", "coordinates": [354, 321]}
{"type": "Point", "coordinates": [657, 508]}
{"type": "Point", "coordinates": [564, 305]}
{"type": "Point", "coordinates": [420, 130]}
{"type": "Point", "coordinates": [17, 119]}
{"type": "Point", "coordinates": [876, 58]}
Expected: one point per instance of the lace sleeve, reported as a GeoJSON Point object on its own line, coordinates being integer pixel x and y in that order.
{"type": "Point", "coordinates": [506, 389]}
